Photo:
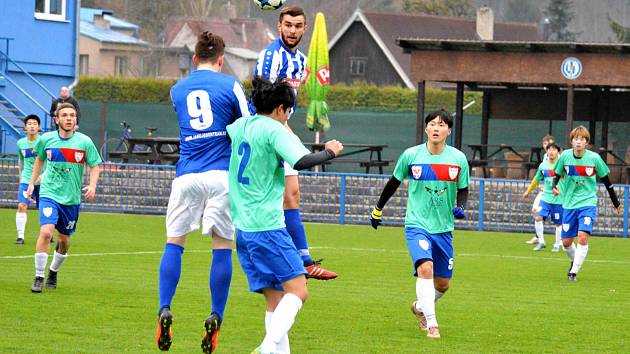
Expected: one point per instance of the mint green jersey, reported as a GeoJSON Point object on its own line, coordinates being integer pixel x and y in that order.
{"type": "Point", "coordinates": [63, 174]}
{"type": "Point", "coordinates": [27, 157]}
{"type": "Point", "coordinates": [260, 144]}
{"type": "Point", "coordinates": [433, 184]}
{"type": "Point", "coordinates": [546, 173]}
{"type": "Point", "coordinates": [580, 188]}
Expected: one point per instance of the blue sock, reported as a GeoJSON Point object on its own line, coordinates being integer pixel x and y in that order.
{"type": "Point", "coordinates": [220, 279]}
{"type": "Point", "coordinates": [296, 229]}
{"type": "Point", "coordinates": [170, 270]}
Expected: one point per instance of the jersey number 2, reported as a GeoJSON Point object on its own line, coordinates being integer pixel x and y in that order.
{"type": "Point", "coordinates": [199, 109]}
{"type": "Point", "coordinates": [244, 151]}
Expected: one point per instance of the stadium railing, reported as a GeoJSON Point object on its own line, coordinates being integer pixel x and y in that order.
{"type": "Point", "coordinates": [343, 198]}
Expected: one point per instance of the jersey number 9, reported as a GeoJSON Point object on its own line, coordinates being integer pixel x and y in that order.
{"type": "Point", "coordinates": [199, 109]}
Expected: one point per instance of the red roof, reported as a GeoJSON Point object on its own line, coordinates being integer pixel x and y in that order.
{"type": "Point", "coordinates": [252, 34]}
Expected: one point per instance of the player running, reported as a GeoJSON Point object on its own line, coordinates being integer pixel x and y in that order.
{"type": "Point", "coordinates": [206, 102]}
{"type": "Point", "coordinates": [261, 147]}
{"type": "Point", "coordinates": [283, 61]}
{"type": "Point", "coordinates": [546, 140]}
{"type": "Point", "coordinates": [26, 160]}
{"type": "Point", "coordinates": [579, 167]}
{"type": "Point", "coordinates": [438, 191]}
{"type": "Point", "coordinates": [65, 152]}
{"type": "Point", "coordinates": [550, 205]}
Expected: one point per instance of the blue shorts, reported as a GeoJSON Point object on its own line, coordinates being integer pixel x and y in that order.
{"type": "Point", "coordinates": [22, 194]}
{"type": "Point", "coordinates": [64, 217]}
{"type": "Point", "coordinates": [575, 220]}
{"type": "Point", "coordinates": [268, 258]}
{"type": "Point", "coordinates": [553, 211]}
{"type": "Point", "coordinates": [435, 247]}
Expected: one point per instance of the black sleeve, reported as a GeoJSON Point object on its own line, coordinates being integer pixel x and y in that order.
{"type": "Point", "coordinates": [611, 191]}
{"type": "Point", "coordinates": [556, 179]}
{"type": "Point", "coordinates": [389, 190]}
{"type": "Point", "coordinates": [53, 108]}
{"type": "Point", "coordinates": [462, 197]}
{"type": "Point", "coordinates": [314, 159]}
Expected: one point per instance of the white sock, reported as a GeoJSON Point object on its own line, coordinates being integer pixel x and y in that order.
{"type": "Point", "coordinates": [281, 322]}
{"type": "Point", "coordinates": [283, 346]}
{"type": "Point", "coordinates": [580, 256]}
{"type": "Point", "coordinates": [570, 251]}
{"type": "Point", "coordinates": [558, 235]}
{"type": "Point", "coordinates": [426, 299]}
{"type": "Point", "coordinates": [438, 295]}
{"type": "Point", "coordinates": [40, 263]}
{"type": "Point", "coordinates": [540, 231]}
{"type": "Point", "coordinates": [20, 224]}
{"type": "Point", "coordinates": [57, 261]}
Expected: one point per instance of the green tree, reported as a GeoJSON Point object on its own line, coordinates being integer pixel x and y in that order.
{"type": "Point", "coordinates": [560, 13]}
{"type": "Point", "coordinates": [522, 11]}
{"type": "Point", "coordinates": [458, 8]}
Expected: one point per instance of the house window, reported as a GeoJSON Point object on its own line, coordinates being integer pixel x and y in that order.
{"type": "Point", "coordinates": [120, 66]}
{"type": "Point", "coordinates": [357, 66]}
{"type": "Point", "coordinates": [53, 10]}
{"type": "Point", "coordinates": [84, 64]}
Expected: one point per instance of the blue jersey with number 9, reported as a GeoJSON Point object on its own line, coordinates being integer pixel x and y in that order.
{"type": "Point", "coordinates": [206, 102]}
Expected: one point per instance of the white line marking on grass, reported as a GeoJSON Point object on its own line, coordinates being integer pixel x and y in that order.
{"type": "Point", "coordinates": [351, 249]}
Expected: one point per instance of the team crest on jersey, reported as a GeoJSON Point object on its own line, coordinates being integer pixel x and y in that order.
{"type": "Point", "coordinates": [565, 227]}
{"type": "Point", "coordinates": [24, 152]}
{"type": "Point", "coordinates": [453, 172]}
{"type": "Point", "coordinates": [416, 171]}
{"type": "Point", "coordinates": [587, 220]}
{"type": "Point", "coordinates": [566, 169]}
{"type": "Point", "coordinates": [49, 154]}
{"type": "Point", "coordinates": [78, 156]}
{"type": "Point", "coordinates": [25, 194]}
{"type": "Point", "coordinates": [47, 212]}
{"type": "Point", "coordinates": [424, 244]}
{"type": "Point", "coordinates": [589, 171]}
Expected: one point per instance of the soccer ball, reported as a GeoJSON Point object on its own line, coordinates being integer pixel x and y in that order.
{"type": "Point", "coordinates": [269, 5]}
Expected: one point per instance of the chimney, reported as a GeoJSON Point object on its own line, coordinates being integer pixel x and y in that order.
{"type": "Point", "coordinates": [101, 22]}
{"type": "Point", "coordinates": [485, 23]}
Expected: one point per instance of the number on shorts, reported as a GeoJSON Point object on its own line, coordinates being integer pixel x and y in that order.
{"type": "Point", "coordinates": [450, 264]}
{"type": "Point", "coordinates": [243, 150]}
{"type": "Point", "coordinates": [199, 109]}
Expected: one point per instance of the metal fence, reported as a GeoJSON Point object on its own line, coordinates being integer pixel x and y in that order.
{"type": "Point", "coordinates": [343, 198]}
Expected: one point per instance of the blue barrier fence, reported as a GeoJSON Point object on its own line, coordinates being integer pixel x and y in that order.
{"type": "Point", "coordinates": [343, 198]}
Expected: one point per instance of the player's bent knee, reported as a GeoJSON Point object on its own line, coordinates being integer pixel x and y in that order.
{"type": "Point", "coordinates": [566, 242]}
{"type": "Point", "coordinates": [22, 208]}
{"type": "Point", "coordinates": [441, 284]}
{"type": "Point", "coordinates": [219, 243]}
{"type": "Point", "coordinates": [180, 241]}
{"type": "Point", "coordinates": [424, 268]}
{"type": "Point", "coordinates": [297, 287]}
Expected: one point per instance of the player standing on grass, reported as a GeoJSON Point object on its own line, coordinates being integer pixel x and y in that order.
{"type": "Point", "coordinates": [65, 152]}
{"type": "Point", "coordinates": [550, 205]}
{"type": "Point", "coordinates": [27, 158]}
{"type": "Point", "coordinates": [546, 140]}
{"type": "Point", "coordinates": [283, 61]}
{"type": "Point", "coordinates": [579, 167]}
{"type": "Point", "coordinates": [438, 191]}
{"type": "Point", "coordinates": [206, 102]}
{"type": "Point", "coordinates": [261, 147]}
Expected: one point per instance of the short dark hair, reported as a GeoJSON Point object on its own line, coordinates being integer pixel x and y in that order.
{"type": "Point", "coordinates": [32, 117]}
{"type": "Point", "coordinates": [292, 10]}
{"type": "Point", "coordinates": [548, 137]}
{"type": "Point", "coordinates": [209, 47]}
{"type": "Point", "coordinates": [555, 146]}
{"type": "Point", "coordinates": [267, 95]}
{"type": "Point", "coordinates": [442, 114]}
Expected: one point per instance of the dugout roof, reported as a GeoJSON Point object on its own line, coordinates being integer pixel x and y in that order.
{"type": "Point", "coordinates": [527, 79]}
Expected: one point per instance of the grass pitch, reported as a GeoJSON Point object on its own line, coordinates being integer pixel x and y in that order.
{"type": "Point", "coordinates": [503, 297]}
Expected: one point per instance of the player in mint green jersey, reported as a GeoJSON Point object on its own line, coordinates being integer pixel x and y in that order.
{"type": "Point", "coordinates": [65, 152]}
{"type": "Point", "coordinates": [26, 161]}
{"type": "Point", "coordinates": [438, 190]}
{"type": "Point", "coordinates": [550, 205]}
{"type": "Point", "coordinates": [579, 167]}
{"type": "Point", "coordinates": [546, 140]}
{"type": "Point", "coordinates": [271, 262]}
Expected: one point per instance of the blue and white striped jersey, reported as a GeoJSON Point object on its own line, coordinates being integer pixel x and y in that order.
{"type": "Point", "coordinates": [277, 62]}
{"type": "Point", "coordinates": [206, 102]}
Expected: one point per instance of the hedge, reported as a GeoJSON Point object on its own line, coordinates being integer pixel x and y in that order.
{"type": "Point", "coordinates": [341, 97]}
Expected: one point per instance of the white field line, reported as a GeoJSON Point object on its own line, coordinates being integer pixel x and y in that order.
{"type": "Point", "coordinates": [350, 249]}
